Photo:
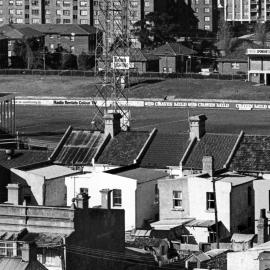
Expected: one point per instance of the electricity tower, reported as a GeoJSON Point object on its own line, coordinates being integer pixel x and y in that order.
{"type": "Point", "coordinates": [112, 72]}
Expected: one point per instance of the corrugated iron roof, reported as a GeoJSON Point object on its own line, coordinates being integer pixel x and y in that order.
{"type": "Point", "coordinates": [240, 238]}
{"type": "Point", "coordinates": [167, 224]}
{"type": "Point", "coordinates": [79, 148]}
{"type": "Point", "coordinates": [200, 223]}
{"type": "Point", "coordinates": [143, 175]}
{"type": "Point", "coordinates": [52, 171]}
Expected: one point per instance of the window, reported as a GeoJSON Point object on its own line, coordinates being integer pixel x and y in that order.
{"type": "Point", "coordinates": [207, 27]}
{"type": "Point", "coordinates": [19, 12]}
{"type": "Point", "coordinates": [83, 12]}
{"type": "Point", "coordinates": [210, 200]}
{"type": "Point", "coordinates": [19, 3]}
{"type": "Point", "coordinates": [212, 237]}
{"type": "Point", "coordinates": [35, 20]}
{"type": "Point", "coordinates": [207, 19]}
{"type": "Point", "coordinates": [66, 20]}
{"type": "Point", "coordinates": [235, 66]}
{"type": "Point", "coordinates": [35, 11]}
{"type": "Point", "coordinates": [8, 249]}
{"type": "Point", "coordinates": [58, 12]}
{"type": "Point", "coordinates": [84, 190]}
{"type": "Point", "coordinates": [196, 2]}
{"type": "Point", "coordinates": [249, 196]}
{"type": "Point", "coordinates": [196, 10]}
{"type": "Point", "coordinates": [83, 3]}
{"type": "Point", "coordinates": [177, 199]}
{"type": "Point", "coordinates": [146, 4]}
{"type": "Point", "coordinates": [206, 10]}
{"type": "Point", "coordinates": [117, 197]}
{"type": "Point", "coordinates": [66, 12]}
{"type": "Point", "coordinates": [207, 2]}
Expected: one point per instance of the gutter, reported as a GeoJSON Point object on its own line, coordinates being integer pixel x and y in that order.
{"type": "Point", "coordinates": [60, 144]}
{"type": "Point", "coordinates": [145, 146]}
{"type": "Point", "coordinates": [227, 163]}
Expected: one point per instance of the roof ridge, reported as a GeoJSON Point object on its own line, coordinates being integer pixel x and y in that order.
{"type": "Point", "coordinates": [221, 134]}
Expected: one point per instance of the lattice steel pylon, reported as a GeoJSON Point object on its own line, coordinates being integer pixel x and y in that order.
{"type": "Point", "coordinates": [113, 43]}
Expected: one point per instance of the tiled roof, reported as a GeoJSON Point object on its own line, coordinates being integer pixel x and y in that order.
{"type": "Point", "coordinates": [23, 31]}
{"type": "Point", "coordinates": [173, 49]}
{"type": "Point", "coordinates": [143, 175]}
{"type": "Point", "coordinates": [138, 55]}
{"type": "Point", "coordinates": [61, 29]}
{"type": "Point", "coordinates": [78, 148]}
{"type": "Point", "coordinates": [219, 146]}
{"type": "Point", "coordinates": [165, 150]}
{"type": "Point", "coordinates": [123, 148]}
{"type": "Point", "coordinates": [253, 154]}
{"type": "Point", "coordinates": [23, 157]}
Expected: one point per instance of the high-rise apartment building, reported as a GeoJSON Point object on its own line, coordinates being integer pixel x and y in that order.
{"type": "Point", "coordinates": [21, 11]}
{"type": "Point", "coordinates": [206, 12]}
{"type": "Point", "coordinates": [246, 10]}
{"type": "Point", "coordinates": [46, 11]}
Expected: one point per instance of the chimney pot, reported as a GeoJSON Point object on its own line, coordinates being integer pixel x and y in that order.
{"type": "Point", "coordinates": [112, 123]}
{"type": "Point", "coordinates": [82, 200]}
{"type": "Point", "coordinates": [197, 126]}
{"type": "Point", "coordinates": [262, 227]}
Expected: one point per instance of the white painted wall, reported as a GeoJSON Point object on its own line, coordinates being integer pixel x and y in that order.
{"type": "Point", "coordinates": [197, 188]}
{"type": "Point", "coordinates": [97, 181]}
{"type": "Point", "coordinates": [243, 260]}
{"type": "Point", "coordinates": [34, 181]}
{"type": "Point", "coordinates": [261, 190]}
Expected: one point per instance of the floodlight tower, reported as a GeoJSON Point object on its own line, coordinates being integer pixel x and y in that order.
{"type": "Point", "coordinates": [112, 61]}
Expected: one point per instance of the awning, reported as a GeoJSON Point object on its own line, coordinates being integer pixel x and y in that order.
{"type": "Point", "coordinates": [168, 224]}
{"type": "Point", "coordinates": [201, 223]}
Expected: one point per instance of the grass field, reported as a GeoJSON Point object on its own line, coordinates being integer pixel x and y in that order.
{"type": "Point", "coordinates": [181, 88]}
{"type": "Point", "coordinates": [51, 122]}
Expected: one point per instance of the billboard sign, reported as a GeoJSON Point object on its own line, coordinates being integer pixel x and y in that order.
{"type": "Point", "coordinates": [121, 62]}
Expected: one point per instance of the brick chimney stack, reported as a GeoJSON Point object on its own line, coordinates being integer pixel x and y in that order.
{"type": "Point", "coordinates": [262, 228]}
{"type": "Point", "coordinates": [208, 165]}
{"type": "Point", "coordinates": [106, 198]}
{"type": "Point", "coordinates": [82, 200]}
{"type": "Point", "coordinates": [29, 252]}
{"type": "Point", "coordinates": [112, 123]}
{"type": "Point", "coordinates": [197, 126]}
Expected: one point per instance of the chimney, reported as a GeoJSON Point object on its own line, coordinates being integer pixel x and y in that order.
{"type": "Point", "coordinates": [105, 198]}
{"type": "Point", "coordinates": [197, 126]}
{"type": "Point", "coordinates": [82, 200]}
{"type": "Point", "coordinates": [14, 194]}
{"type": "Point", "coordinates": [262, 228]}
{"type": "Point", "coordinates": [208, 165]}
{"type": "Point", "coordinates": [29, 252]}
{"type": "Point", "coordinates": [112, 123]}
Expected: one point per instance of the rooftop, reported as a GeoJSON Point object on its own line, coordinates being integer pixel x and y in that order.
{"type": "Point", "coordinates": [23, 157]}
{"type": "Point", "coordinates": [143, 175]}
{"type": "Point", "coordinates": [240, 238]}
{"type": "Point", "coordinates": [14, 263]}
{"type": "Point", "coordinates": [253, 154]}
{"type": "Point", "coordinates": [173, 49]}
{"type": "Point", "coordinates": [52, 171]}
{"type": "Point", "coordinates": [77, 147]}
{"type": "Point", "coordinates": [235, 179]}
{"type": "Point", "coordinates": [165, 150]}
{"type": "Point", "coordinates": [219, 146]}
{"type": "Point", "coordinates": [21, 32]}
{"type": "Point", "coordinates": [61, 29]}
{"type": "Point", "coordinates": [124, 148]}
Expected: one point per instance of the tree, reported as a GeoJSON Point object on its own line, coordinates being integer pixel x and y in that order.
{"type": "Point", "coordinates": [28, 53]}
{"type": "Point", "coordinates": [225, 37]}
{"type": "Point", "coordinates": [86, 61]}
{"type": "Point", "coordinates": [261, 33]}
